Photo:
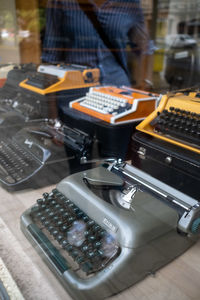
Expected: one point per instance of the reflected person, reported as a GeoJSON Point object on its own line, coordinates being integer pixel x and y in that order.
{"type": "Point", "coordinates": [95, 33]}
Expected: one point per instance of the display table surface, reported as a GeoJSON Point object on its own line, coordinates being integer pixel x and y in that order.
{"type": "Point", "coordinates": [178, 280]}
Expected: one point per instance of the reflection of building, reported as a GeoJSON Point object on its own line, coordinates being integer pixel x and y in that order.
{"type": "Point", "coordinates": [162, 17]}
{"type": "Point", "coordinates": [184, 17]}
{"type": "Point", "coordinates": [172, 17]}
{"type": "Point", "coordinates": [156, 14]}
{"type": "Point", "coordinates": [147, 6]}
{"type": "Point", "coordinates": [9, 48]}
{"type": "Point", "coordinates": [28, 13]}
{"type": "Point", "coordinates": [21, 29]}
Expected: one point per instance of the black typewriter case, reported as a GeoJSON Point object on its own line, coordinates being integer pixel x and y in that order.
{"type": "Point", "coordinates": [113, 140]}
{"type": "Point", "coordinates": [175, 166]}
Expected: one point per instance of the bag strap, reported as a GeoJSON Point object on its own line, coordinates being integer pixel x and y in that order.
{"type": "Point", "coordinates": [88, 8]}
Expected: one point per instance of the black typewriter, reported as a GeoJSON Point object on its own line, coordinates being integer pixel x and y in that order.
{"type": "Point", "coordinates": [14, 77]}
{"type": "Point", "coordinates": [103, 229]}
{"type": "Point", "coordinates": [24, 106]}
{"type": "Point", "coordinates": [15, 163]}
{"type": "Point", "coordinates": [39, 154]}
{"type": "Point", "coordinates": [20, 112]}
{"type": "Point", "coordinates": [16, 105]}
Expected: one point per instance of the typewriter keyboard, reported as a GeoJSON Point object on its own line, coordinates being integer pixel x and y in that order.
{"type": "Point", "coordinates": [42, 80]}
{"type": "Point", "coordinates": [104, 103]}
{"type": "Point", "coordinates": [71, 234]}
{"type": "Point", "coordinates": [179, 124]}
{"type": "Point", "coordinates": [16, 164]}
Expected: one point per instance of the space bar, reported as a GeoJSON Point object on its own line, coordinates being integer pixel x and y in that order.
{"type": "Point", "coordinates": [48, 248]}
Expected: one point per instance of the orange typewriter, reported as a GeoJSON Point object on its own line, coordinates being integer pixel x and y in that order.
{"type": "Point", "coordinates": [51, 79]}
{"type": "Point", "coordinates": [176, 120]}
{"type": "Point", "coordinates": [116, 105]}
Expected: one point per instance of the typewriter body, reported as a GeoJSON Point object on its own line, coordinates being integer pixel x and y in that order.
{"type": "Point", "coordinates": [167, 144]}
{"type": "Point", "coordinates": [176, 120]}
{"type": "Point", "coordinates": [14, 77]}
{"type": "Point", "coordinates": [18, 106]}
{"type": "Point", "coordinates": [116, 105]}
{"type": "Point", "coordinates": [113, 130]}
{"type": "Point", "coordinates": [22, 108]}
{"type": "Point", "coordinates": [51, 79]}
{"type": "Point", "coordinates": [102, 230]}
{"type": "Point", "coordinates": [39, 154]}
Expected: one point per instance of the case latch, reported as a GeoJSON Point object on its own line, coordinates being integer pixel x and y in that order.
{"type": "Point", "coordinates": [142, 152]}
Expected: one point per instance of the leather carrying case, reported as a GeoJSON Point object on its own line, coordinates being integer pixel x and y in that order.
{"type": "Point", "coordinates": [176, 166]}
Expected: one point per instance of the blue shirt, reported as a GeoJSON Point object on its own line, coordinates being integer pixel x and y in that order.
{"type": "Point", "coordinates": [71, 37]}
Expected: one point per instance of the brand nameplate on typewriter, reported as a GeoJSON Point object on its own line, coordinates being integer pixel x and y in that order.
{"type": "Point", "coordinates": [110, 225]}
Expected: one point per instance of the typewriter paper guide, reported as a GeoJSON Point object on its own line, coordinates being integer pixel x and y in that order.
{"type": "Point", "coordinates": [100, 177]}
{"type": "Point", "coordinates": [148, 219]}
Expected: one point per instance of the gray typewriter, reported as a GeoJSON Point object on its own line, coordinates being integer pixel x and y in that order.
{"type": "Point", "coordinates": [102, 230]}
